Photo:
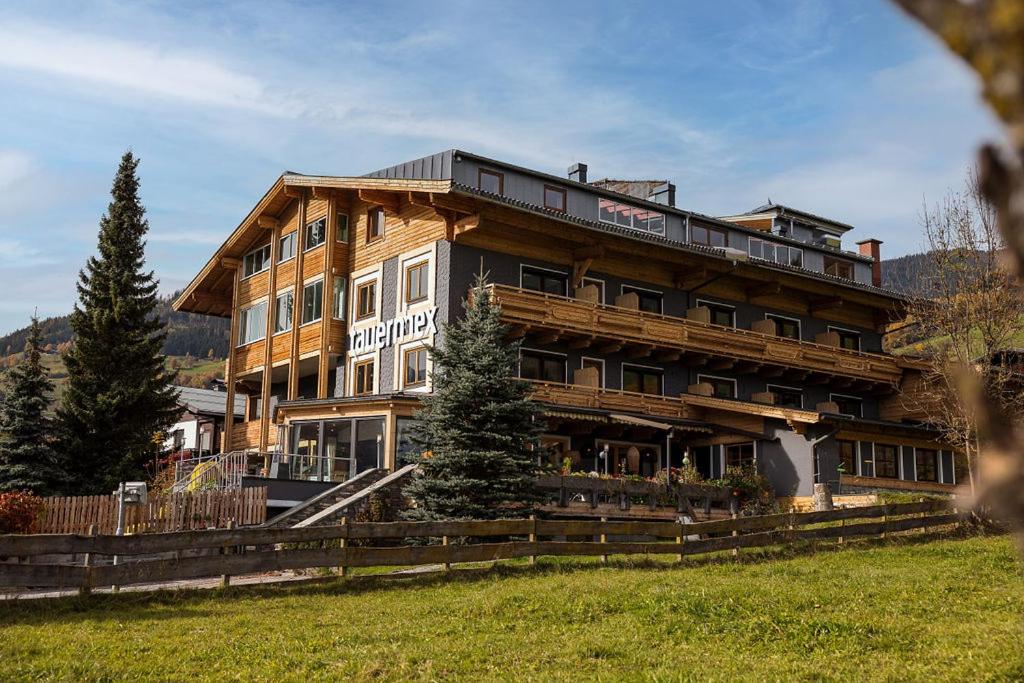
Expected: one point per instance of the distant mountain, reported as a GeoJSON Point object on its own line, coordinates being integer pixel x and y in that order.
{"type": "Point", "coordinates": [904, 273]}
{"type": "Point", "coordinates": [187, 333]}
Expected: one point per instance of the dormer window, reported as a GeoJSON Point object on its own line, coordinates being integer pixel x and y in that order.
{"type": "Point", "coordinates": [554, 198]}
{"type": "Point", "coordinates": [632, 217]}
{"type": "Point", "coordinates": [491, 181]}
{"type": "Point", "coordinates": [711, 237]}
{"type": "Point", "coordinates": [838, 268]}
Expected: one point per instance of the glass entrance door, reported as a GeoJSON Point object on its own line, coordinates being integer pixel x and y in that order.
{"type": "Point", "coordinates": [335, 450]}
{"type": "Point", "coordinates": [337, 437]}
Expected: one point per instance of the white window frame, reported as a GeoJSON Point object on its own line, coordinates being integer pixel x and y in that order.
{"type": "Point", "coordinates": [799, 323]}
{"type": "Point", "coordinates": [709, 303]}
{"type": "Point", "coordinates": [855, 398]}
{"type": "Point", "coordinates": [263, 301]}
{"type": "Point", "coordinates": [601, 381]}
{"type": "Point", "coordinates": [281, 293]}
{"type": "Point", "coordinates": [294, 234]}
{"type": "Point", "coordinates": [270, 257]}
{"type": "Point", "coordinates": [622, 375]}
{"type": "Point", "coordinates": [305, 246]}
{"type": "Point", "coordinates": [622, 290]}
{"type": "Point", "coordinates": [307, 283]}
{"type": "Point", "coordinates": [860, 335]}
{"type": "Point", "coordinates": [344, 296]}
{"type": "Point", "coordinates": [735, 384]}
{"type": "Point", "coordinates": [769, 387]}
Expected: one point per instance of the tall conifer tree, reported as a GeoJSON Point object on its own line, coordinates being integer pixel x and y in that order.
{"type": "Point", "coordinates": [476, 430]}
{"type": "Point", "coordinates": [119, 395]}
{"type": "Point", "coordinates": [28, 461]}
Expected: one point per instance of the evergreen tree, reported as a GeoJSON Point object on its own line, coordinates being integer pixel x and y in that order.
{"type": "Point", "coordinates": [476, 430]}
{"type": "Point", "coordinates": [28, 461]}
{"type": "Point", "coordinates": [119, 395]}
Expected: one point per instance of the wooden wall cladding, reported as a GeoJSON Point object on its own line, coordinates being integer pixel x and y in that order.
{"type": "Point", "coordinates": [252, 288]}
{"type": "Point", "coordinates": [412, 227]}
{"type": "Point", "coordinates": [249, 356]}
{"type": "Point", "coordinates": [309, 338]}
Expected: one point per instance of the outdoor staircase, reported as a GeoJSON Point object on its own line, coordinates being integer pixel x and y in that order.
{"type": "Point", "coordinates": [332, 514]}
{"type": "Point", "coordinates": [294, 516]}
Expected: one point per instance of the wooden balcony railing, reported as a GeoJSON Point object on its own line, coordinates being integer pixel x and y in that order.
{"type": "Point", "coordinates": [685, 406]}
{"type": "Point", "coordinates": [588, 323]}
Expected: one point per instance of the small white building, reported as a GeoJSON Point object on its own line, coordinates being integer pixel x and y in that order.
{"type": "Point", "coordinates": [201, 426]}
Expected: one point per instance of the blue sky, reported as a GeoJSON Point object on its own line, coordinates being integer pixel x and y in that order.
{"type": "Point", "coordinates": [842, 108]}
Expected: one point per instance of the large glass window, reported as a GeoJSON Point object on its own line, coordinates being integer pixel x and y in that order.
{"type": "Point", "coordinates": [369, 444]}
{"type": "Point", "coordinates": [256, 261]}
{"type": "Point", "coordinates": [337, 449]}
{"type": "Point", "coordinates": [642, 380]}
{"type": "Point", "coordinates": [316, 233]}
{"type": "Point", "coordinates": [649, 301]}
{"type": "Point", "coordinates": [252, 323]}
{"type": "Point", "coordinates": [545, 281]}
{"type": "Point", "coordinates": [740, 455]}
{"type": "Point", "coordinates": [926, 460]}
{"type": "Point", "coordinates": [338, 298]}
{"type": "Point", "coordinates": [711, 237]}
{"type": "Point", "coordinates": [887, 461]}
{"type": "Point", "coordinates": [312, 301]}
{"type": "Point", "coordinates": [283, 312]}
{"type": "Point", "coordinates": [785, 327]}
{"type": "Point", "coordinates": [542, 366]}
{"type": "Point", "coordinates": [286, 247]}
{"type": "Point", "coordinates": [778, 253]}
{"type": "Point", "coordinates": [417, 278]}
{"type": "Point", "coordinates": [723, 387]}
{"type": "Point", "coordinates": [632, 217]}
{"type": "Point", "coordinates": [847, 456]}
{"type": "Point", "coordinates": [333, 450]}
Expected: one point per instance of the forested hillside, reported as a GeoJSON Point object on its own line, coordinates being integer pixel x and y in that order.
{"type": "Point", "coordinates": [188, 334]}
{"type": "Point", "coordinates": [902, 274]}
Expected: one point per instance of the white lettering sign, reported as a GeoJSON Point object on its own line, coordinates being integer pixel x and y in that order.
{"type": "Point", "coordinates": [394, 331]}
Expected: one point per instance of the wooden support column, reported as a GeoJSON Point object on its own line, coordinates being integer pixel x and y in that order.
{"type": "Point", "coordinates": [331, 239]}
{"type": "Point", "coordinates": [391, 441]}
{"type": "Point", "coordinates": [268, 343]}
{"type": "Point", "coordinates": [300, 247]}
{"type": "Point", "coordinates": [230, 369]}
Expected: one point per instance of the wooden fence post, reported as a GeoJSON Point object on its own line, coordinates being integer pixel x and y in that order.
{"type": "Point", "coordinates": [842, 524]}
{"type": "Point", "coordinates": [735, 533]}
{"type": "Point", "coordinates": [885, 519]}
{"type": "Point", "coordinates": [604, 537]}
{"type": "Point", "coordinates": [343, 569]}
{"type": "Point", "coordinates": [225, 579]}
{"type": "Point", "coordinates": [924, 514]}
{"type": "Point", "coordinates": [680, 539]}
{"type": "Point", "coordinates": [86, 586]}
{"type": "Point", "coordinates": [533, 538]}
{"type": "Point", "coordinates": [447, 565]}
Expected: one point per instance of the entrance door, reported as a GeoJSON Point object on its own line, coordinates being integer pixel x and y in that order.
{"type": "Point", "coordinates": [337, 460]}
{"type": "Point", "coordinates": [634, 458]}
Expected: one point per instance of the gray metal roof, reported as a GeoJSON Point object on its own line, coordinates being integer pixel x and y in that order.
{"type": "Point", "coordinates": [208, 401]}
{"type": "Point", "coordinates": [782, 209]}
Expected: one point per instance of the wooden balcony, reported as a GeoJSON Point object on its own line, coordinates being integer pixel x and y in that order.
{"type": "Point", "coordinates": [686, 406]}
{"type": "Point", "coordinates": [549, 318]}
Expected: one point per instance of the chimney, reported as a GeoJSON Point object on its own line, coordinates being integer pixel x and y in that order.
{"type": "Point", "coordinates": [578, 172]}
{"type": "Point", "coordinates": [870, 249]}
{"type": "Point", "coordinates": [664, 194]}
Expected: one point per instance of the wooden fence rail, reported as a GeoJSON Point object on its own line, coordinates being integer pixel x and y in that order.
{"type": "Point", "coordinates": [250, 549]}
{"type": "Point", "coordinates": [174, 512]}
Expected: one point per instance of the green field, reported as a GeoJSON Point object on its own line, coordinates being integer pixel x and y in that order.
{"type": "Point", "coordinates": [902, 610]}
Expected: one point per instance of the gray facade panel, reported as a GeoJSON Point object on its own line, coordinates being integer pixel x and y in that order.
{"type": "Point", "coordinates": [434, 167]}
{"type": "Point", "coordinates": [786, 460]}
{"type": "Point", "coordinates": [388, 307]}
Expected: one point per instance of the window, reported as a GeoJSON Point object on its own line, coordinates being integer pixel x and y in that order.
{"type": "Point", "coordinates": [740, 455]}
{"type": "Point", "coordinates": [848, 405]}
{"type": "Point", "coordinates": [312, 301]}
{"type": "Point", "coordinates": [491, 181]}
{"type": "Point", "coordinates": [785, 327]}
{"type": "Point", "coordinates": [650, 302]}
{"type": "Point", "coordinates": [545, 281]}
{"type": "Point", "coordinates": [597, 283]}
{"type": "Point", "coordinates": [642, 380]}
{"type": "Point", "coordinates": [416, 279]}
{"type": "Point", "coordinates": [366, 300]}
{"type": "Point", "coordinates": [838, 268]}
{"type": "Point", "coordinates": [363, 372]}
{"type": "Point", "coordinates": [712, 237]}
{"type": "Point", "coordinates": [777, 253]}
{"type": "Point", "coordinates": [886, 464]}
{"type": "Point", "coordinates": [723, 388]}
{"type": "Point", "coordinates": [338, 298]}
{"type": "Point", "coordinates": [720, 314]}
{"type": "Point", "coordinates": [542, 366]}
{"type": "Point", "coordinates": [926, 461]}
{"type": "Point", "coordinates": [252, 323]}
{"type": "Point", "coordinates": [848, 339]}
{"type": "Point", "coordinates": [286, 247]}
{"type": "Point", "coordinates": [343, 227]}
{"type": "Point", "coordinates": [598, 365]}
{"type": "Point", "coordinates": [316, 233]}
{"type": "Point", "coordinates": [787, 397]}
{"type": "Point", "coordinates": [415, 367]}
{"type": "Point", "coordinates": [632, 217]}
{"type": "Point", "coordinates": [374, 224]}
{"type": "Point", "coordinates": [283, 312]}
{"type": "Point", "coordinates": [847, 456]}
{"type": "Point", "coordinates": [554, 198]}
{"type": "Point", "coordinates": [256, 261]}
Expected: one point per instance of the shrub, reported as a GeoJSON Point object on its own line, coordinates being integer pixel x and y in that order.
{"type": "Point", "coordinates": [756, 495]}
{"type": "Point", "coordinates": [19, 512]}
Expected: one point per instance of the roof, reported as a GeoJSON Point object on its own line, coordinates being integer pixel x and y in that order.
{"type": "Point", "coordinates": [782, 210]}
{"type": "Point", "coordinates": [208, 401]}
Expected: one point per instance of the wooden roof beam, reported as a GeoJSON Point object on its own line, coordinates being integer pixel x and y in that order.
{"type": "Point", "coordinates": [772, 288]}
{"type": "Point", "coordinates": [824, 304]}
{"type": "Point", "coordinates": [294, 192]}
{"type": "Point", "coordinates": [267, 222]}
{"type": "Point", "coordinates": [322, 192]}
{"type": "Point", "coordinates": [588, 252]}
{"type": "Point", "coordinates": [386, 200]}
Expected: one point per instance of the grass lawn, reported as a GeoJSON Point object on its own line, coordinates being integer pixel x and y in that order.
{"type": "Point", "coordinates": [902, 610]}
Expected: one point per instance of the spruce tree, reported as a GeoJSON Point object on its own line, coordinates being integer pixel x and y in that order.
{"type": "Point", "coordinates": [476, 430]}
{"type": "Point", "coordinates": [119, 396]}
{"type": "Point", "coordinates": [28, 461]}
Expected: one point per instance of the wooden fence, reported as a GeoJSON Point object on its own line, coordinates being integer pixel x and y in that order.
{"type": "Point", "coordinates": [244, 551]}
{"type": "Point", "coordinates": [175, 512]}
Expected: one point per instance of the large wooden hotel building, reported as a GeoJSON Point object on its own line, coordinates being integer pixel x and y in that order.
{"type": "Point", "coordinates": [651, 333]}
